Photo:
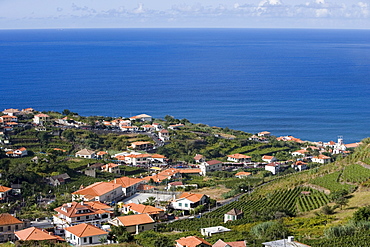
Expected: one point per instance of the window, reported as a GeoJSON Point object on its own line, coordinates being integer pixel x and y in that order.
{"type": "Point", "coordinates": [78, 218]}
{"type": "Point", "coordinates": [16, 227]}
{"type": "Point", "coordinates": [85, 240]}
{"type": "Point", "coordinates": [186, 205]}
{"type": "Point", "coordinates": [9, 228]}
{"type": "Point", "coordinates": [1, 229]}
{"type": "Point", "coordinates": [180, 204]}
{"type": "Point", "coordinates": [87, 217]}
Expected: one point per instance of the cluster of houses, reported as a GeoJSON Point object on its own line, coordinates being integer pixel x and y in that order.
{"type": "Point", "coordinates": [87, 218]}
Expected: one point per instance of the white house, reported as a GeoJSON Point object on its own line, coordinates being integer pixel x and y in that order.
{"type": "Point", "coordinates": [188, 201]}
{"type": "Point", "coordinates": [74, 213]}
{"type": "Point", "coordinates": [264, 133]}
{"type": "Point", "coordinates": [299, 165]}
{"type": "Point", "coordinates": [128, 128]}
{"type": "Point", "coordinates": [268, 158]}
{"type": "Point", "coordinates": [233, 214]}
{"type": "Point", "coordinates": [210, 166]}
{"type": "Point", "coordinates": [175, 126]}
{"type": "Point", "coordinates": [129, 185]}
{"type": "Point", "coordinates": [300, 153]}
{"type": "Point", "coordinates": [100, 191]}
{"type": "Point", "coordinates": [135, 223]}
{"type": "Point", "coordinates": [137, 159]}
{"type": "Point", "coordinates": [41, 118]}
{"type": "Point", "coordinates": [20, 152]}
{"type": "Point", "coordinates": [11, 112]}
{"type": "Point", "coordinates": [239, 158]}
{"type": "Point", "coordinates": [86, 153]}
{"type": "Point", "coordinates": [142, 118]}
{"type": "Point", "coordinates": [322, 159]}
{"type": "Point", "coordinates": [84, 234]}
{"type": "Point", "coordinates": [273, 167]}
{"type": "Point", "coordinates": [285, 242]}
{"type": "Point", "coordinates": [198, 158]}
{"type": "Point", "coordinates": [157, 126]}
{"type": "Point", "coordinates": [164, 135]}
{"type": "Point", "coordinates": [243, 174]}
{"type": "Point", "coordinates": [209, 231]}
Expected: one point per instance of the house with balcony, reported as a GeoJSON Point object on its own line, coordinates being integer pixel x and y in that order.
{"type": "Point", "coordinates": [188, 201]}
{"type": "Point", "coordinates": [11, 112]}
{"type": "Point", "coordinates": [74, 213]}
{"type": "Point", "coordinates": [41, 119]}
{"type": "Point", "coordinates": [210, 166]}
{"type": "Point", "coordinates": [164, 135]}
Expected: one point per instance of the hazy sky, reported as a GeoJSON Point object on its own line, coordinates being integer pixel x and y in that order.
{"type": "Point", "coordinates": [184, 13]}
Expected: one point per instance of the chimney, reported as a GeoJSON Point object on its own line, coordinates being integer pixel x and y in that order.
{"type": "Point", "coordinates": [290, 239]}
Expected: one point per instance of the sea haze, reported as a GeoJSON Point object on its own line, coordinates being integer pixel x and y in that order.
{"type": "Point", "coordinates": [313, 84]}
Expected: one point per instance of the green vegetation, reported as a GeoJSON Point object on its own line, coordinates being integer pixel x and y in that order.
{"type": "Point", "coordinates": [332, 182]}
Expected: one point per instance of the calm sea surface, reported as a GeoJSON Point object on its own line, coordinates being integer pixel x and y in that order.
{"type": "Point", "coordinates": [313, 84]}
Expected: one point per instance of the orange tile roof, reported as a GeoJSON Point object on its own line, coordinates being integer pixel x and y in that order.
{"type": "Point", "coordinates": [352, 145]}
{"type": "Point", "coordinates": [136, 219]}
{"type": "Point", "coordinates": [101, 153]}
{"type": "Point", "coordinates": [185, 171]}
{"type": "Point", "coordinates": [323, 157]}
{"type": "Point", "coordinates": [42, 115]}
{"type": "Point", "coordinates": [243, 174]}
{"type": "Point", "coordinates": [72, 209]}
{"type": "Point", "coordinates": [126, 181]}
{"type": "Point", "coordinates": [98, 205]}
{"type": "Point", "coordinates": [34, 233]}
{"type": "Point", "coordinates": [4, 188]}
{"type": "Point", "coordinates": [85, 230]}
{"type": "Point", "coordinates": [143, 209]}
{"type": "Point", "coordinates": [191, 196]}
{"type": "Point", "coordinates": [8, 219]}
{"type": "Point", "coordinates": [140, 143]}
{"type": "Point", "coordinates": [239, 156]}
{"type": "Point", "coordinates": [110, 165]}
{"type": "Point", "coordinates": [145, 187]}
{"type": "Point", "coordinates": [192, 241]}
{"type": "Point", "coordinates": [97, 189]}
{"type": "Point", "coordinates": [267, 157]}
{"type": "Point", "coordinates": [158, 156]}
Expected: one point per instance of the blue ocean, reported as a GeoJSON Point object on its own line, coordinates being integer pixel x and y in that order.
{"type": "Point", "coordinates": [312, 84]}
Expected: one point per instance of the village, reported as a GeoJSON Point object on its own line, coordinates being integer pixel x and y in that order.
{"type": "Point", "coordinates": [144, 185]}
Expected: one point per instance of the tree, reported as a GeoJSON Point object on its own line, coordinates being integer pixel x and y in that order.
{"type": "Point", "coordinates": [120, 234]}
{"type": "Point", "coordinates": [163, 241]}
{"type": "Point", "coordinates": [362, 214]}
{"type": "Point", "coordinates": [66, 112]}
